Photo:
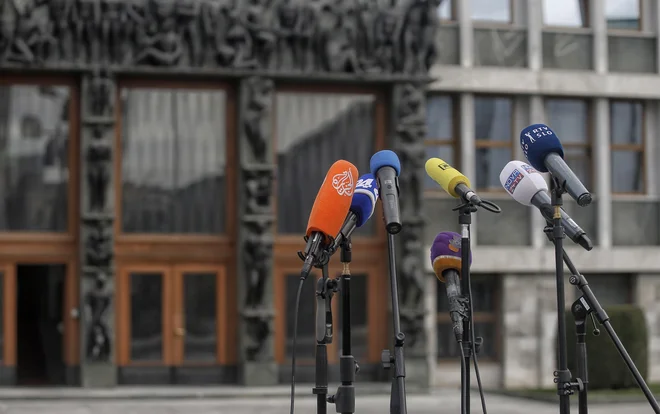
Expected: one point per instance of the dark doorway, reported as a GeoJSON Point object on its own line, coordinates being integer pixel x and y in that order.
{"type": "Point", "coordinates": [40, 324]}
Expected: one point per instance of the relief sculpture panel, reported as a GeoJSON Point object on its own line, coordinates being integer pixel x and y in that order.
{"type": "Point", "coordinates": [97, 215]}
{"type": "Point", "coordinates": [322, 36]}
{"type": "Point", "coordinates": [257, 217]}
{"type": "Point", "coordinates": [410, 131]}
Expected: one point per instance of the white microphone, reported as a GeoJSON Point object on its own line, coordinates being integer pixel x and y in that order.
{"type": "Point", "coordinates": [528, 187]}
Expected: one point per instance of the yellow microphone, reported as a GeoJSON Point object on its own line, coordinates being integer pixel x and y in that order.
{"type": "Point", "coordinates": [451, 180]}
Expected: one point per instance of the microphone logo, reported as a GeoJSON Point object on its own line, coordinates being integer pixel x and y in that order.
{"type": "Point", "coordinates": [512, 182]}
{"type": "Point", "coordinates": [343, 183]}
{"type": "Point", "coordinates": [455, 244]}
{"type": "Point", "coordinates": [529, 135]}
{"type": "Point", "coordinates": [528, 168]}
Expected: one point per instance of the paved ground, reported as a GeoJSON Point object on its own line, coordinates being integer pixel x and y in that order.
{"type": "Point", "coordinates": [440, 402]}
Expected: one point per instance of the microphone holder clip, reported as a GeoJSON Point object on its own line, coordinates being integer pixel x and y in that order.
{"type": "Point", "coordinates": [323, 258]}
{"type": "Point", "coordinates": [484, 204]}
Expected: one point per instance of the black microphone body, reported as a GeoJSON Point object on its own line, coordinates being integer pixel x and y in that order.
{"type": "Point", "coordinates": [542, 201]}
{"type": "Point", "coordinates": [452, 281]}
{"type": "Point", "coordinates": [388, 185]}
{"type": "Point", "coordinates": [313, 250]}
{"type": "Point", "coordinates": [346, 230]}
{"type": "Point", "coordinates": [567, 178]}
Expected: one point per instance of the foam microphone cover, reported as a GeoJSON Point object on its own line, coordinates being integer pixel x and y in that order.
{"type": "Point", "coordinates": [537, 141]}
{"type": "Point", "coordinates": [333, 200]}
{"type": "Point", "coordinates": [384, 158]}
{"type": "Point", "coordinates": [447, 176]}
{"type": "Point", "coordinates": [365, 198]}
{"type": "Point", "coordinates": [522, 181]}
{"type": "Point", "coordinates": [446, 253]}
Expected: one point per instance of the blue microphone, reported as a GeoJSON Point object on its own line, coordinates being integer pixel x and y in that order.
{"type": "Point", "coordinates": [544, 151]}
{"type": "Point", "coordinates": [386, 167]}
{"type": "Point", "coordinates": [362, 208]}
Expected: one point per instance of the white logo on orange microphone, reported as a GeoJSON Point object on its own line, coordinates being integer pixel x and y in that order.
{"type": "Point", "coordinates": [343, 183]}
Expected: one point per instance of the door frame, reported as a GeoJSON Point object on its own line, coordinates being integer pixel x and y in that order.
{"type": "Point", "coordinates": [172, 318]}
{"type": "Point", "coordinates": [377, 295]}
{"type": "Point", "coordinates": [70, 312]}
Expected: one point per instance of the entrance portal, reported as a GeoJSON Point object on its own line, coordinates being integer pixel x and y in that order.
{"type": "Point", "coordinates": [40, 327]}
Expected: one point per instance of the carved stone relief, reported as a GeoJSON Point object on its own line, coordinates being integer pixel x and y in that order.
{"type": "Point", "coordinates": [347, 36]}
{"type": "Point", "coordinates": [410, 130]}
{"type": "Point", "coordinates": [256, 239]}
{"type": "Point", "coordinates": [97, 214]}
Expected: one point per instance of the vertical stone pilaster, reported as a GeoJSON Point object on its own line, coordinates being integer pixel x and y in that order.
{"type": "Point", "coordinates": [97, 282]}
{"type": "Point", "coordinates": [409, 109]}
{"type": "Point", "coordinates": [255, 238]}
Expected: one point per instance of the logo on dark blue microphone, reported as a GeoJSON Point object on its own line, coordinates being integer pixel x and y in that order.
{"type": "Point", "coordinates": [512, 182]}
{"type": "Point", "coordinates": [364, 183]}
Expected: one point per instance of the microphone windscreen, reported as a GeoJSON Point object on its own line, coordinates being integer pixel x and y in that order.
{"type": "Point", "coordinates": [537, 141]}
{"type": "Point", "coordinates": [522, 181]}
{"type": "Point", "coordinates": [365, 198]}
{"type": "Point", "coordinates": [446, 253]}
{"type": "Point", "coordinates": [447, 176]}
{"type": "Point", "coordinates": [384, 158]}
{"type": "Point", "coordinates": [333, 200]}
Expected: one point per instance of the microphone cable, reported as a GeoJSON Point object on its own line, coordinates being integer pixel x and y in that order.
{"type": "Point", "coordinates": [473, 345]}
{"type": "Point", "coordinates": [295, 337]}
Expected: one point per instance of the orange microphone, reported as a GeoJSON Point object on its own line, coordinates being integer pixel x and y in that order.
{"type": "Point", "coordinates": [329, 211]}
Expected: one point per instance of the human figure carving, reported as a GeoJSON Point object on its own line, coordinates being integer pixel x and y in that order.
{"type": "Point", "coordinates": [97, 304]}
{"type": "Point", "coordinates": [87, 25]}
{"type": "Point", "coordinates": [257, 249]}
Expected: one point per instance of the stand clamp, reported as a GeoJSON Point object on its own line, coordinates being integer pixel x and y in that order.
{"type": "Point", "coordinates": [325, 290]}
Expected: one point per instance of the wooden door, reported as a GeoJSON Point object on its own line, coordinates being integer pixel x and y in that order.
{"type": "Point", "coordinates": [144, 322]}
{"type": "Point", "coordinates": [7, 316]}
{"type": "Point", "coordinates": [199, 330]}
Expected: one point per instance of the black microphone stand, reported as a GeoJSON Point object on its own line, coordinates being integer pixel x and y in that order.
{"type": "Point", "coordinates": [588, 305]}
{"type": "Point", "coordinates": [398, 392]}
{"type": "Point", "coordinates": [325, 290]}
{"type": "Point", "coordinates": [344, 399]}
{"type": "Point", "coordinates": [562, 374]}
{"type": "Point", "coordinates": [465, 211]}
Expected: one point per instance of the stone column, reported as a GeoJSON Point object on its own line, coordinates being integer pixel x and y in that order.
{"type": "Point", "coordinates": [529, 330]}
{"type": "Point", "coordinates": [97, 282]}
{"type": "Point", "coordinates": [255, 239]}
{"type": "Point", "coordinates": [647, 296]}
{"type": "Point", "coordinates": [409, 109]}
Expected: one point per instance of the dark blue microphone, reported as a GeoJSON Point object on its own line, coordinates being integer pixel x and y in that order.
{"type": "Point", "coordinates": [362, 208]}
{"type": "Point", "coordinates": [386, 167]}
{"type": "Point", "coordinates": [544, 151]}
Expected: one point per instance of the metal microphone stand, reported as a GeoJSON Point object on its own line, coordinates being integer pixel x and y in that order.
{"type": "Point", "coordinates": [396, 361]}
{"type": "Point", "coordinates": [344, 399]}
{"type": "Point", "coordinates": [562, 374]}
{"type": "Point", "coordinates": [588, 305]}
{"type": "Point", "coordinates": [465, 211]}
{"type": "Point", "coordinates": [325, 290]}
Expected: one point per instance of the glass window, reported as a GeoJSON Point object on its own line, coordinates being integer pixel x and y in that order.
{"type": "Point", "coordinates": [146, 316]}
{"type": "Point", "coordinates": [485, 297]}
{"type": "Point", "coordinates": [571, 13]}
{"type": "Point", "coordinates": [445, 10]}
{"type": "Point", "coordinates": [623, 14]}
{"type": "Point", "coordinates": [201, 322]}
{"type": "Point", "coordinates": [313, 131]}
{"type": "Point", "coordinates": [569, 118]}
{"type": "Point", "coordinates": [306, 341]}
{"type": "Point", "coordinates": [173, 161]}
{"type": "Point", "coordinates": [34, 142]}
{"type": "Point", "coordinates": [493, 118]}
{"type": "Point", "coordinates": [441, 140]}
{"type": "Point", "coordinates": [611, 289]}
{"type": "Point", "coordinates": [491, 10]}
{"type": "Point", "coordinates": [627, 146]}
